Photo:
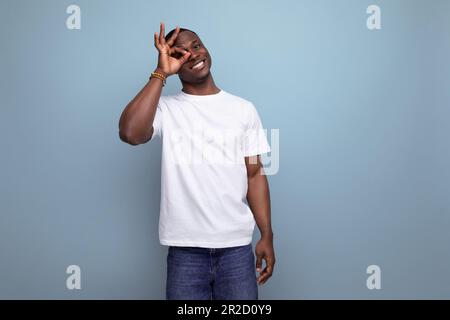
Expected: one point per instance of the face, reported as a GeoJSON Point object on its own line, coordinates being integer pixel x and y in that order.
{"type": "Point", "coordinates": [197, 68]}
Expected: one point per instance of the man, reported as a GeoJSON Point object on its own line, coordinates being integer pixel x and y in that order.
{"type": "Point", "coordinates": [213, 187]}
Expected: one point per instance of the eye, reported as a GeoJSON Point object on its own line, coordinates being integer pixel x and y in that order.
{"type": "Point", "coordinates": [197, 46]}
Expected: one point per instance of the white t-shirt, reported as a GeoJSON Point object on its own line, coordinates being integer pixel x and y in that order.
{"type": "Point", "coordinates": [203, 173]}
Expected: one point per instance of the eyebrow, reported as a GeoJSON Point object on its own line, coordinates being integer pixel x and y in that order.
{"type": "Point", "coordinates": [181, 44]}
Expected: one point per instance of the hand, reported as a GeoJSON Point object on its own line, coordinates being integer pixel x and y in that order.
{"type": "Point", "coordinates": [167, 63]}
{"type": "Point", "coordinates": [264, 251]}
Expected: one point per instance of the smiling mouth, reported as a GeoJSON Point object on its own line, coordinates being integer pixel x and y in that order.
{"type": "Point", "coordinates": [199, 65]}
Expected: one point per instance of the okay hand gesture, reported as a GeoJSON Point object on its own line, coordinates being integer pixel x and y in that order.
{"type": "Point", "coordinates": [167, 61]}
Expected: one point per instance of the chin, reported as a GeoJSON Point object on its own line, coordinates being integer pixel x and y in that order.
{"type": "Point", "coordinates": [196, 78]}
{"type": "Point", "coordinates": [204, 73]}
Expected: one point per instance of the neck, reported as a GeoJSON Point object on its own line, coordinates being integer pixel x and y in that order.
{"type": "Point", "coordinates": [204, 87]}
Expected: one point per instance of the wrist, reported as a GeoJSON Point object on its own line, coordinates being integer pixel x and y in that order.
{"type": "Point", "coordinates": [159, 74]}
{"type": "Point", "coordinates": [267, 234]}
{"type": "Point", "coordinates": [159, 70]}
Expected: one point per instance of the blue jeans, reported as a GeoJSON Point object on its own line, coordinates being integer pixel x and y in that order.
{"type": "Point", "coordinates": [211, 274]}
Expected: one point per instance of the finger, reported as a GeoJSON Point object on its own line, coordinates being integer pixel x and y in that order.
{"type": "Point", "coordinates": [174, 50]}
{"type": "Point", "coordinates": [270, 264]}
{"type": "Point", "coordinates": [264, 276]}
{"type": "Point", "coordinates": [185, 57]}
{"type": "Point", "coordinates": [258, 263]}
{"type": "Point", "coordinates": [269, 269]}
{"type": "Point", "coordinates": [156, 40]}
{"type": "Point", "coordinates": [264, 280]}
{"type": "Point", "coordinates": [261, 277]}
{"type": "Point", "coordinates": [162, 41]}
{"type": "Point", "coordinates": [173, 37]}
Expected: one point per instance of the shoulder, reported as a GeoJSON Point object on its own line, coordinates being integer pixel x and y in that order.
{"type": "Point", "coordinates": [240, 100]}
{"type": "Point", "coordinates": [168, 101]}
{"type": "Point", "coordinates": [244, 105]}
{"type": "Point", "coordinates": [169, 98]}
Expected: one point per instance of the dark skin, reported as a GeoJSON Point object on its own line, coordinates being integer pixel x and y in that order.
{"type": "Point", "coordinates": [178, 55]}
{"type": "Point", "coordinates": [258, 198]}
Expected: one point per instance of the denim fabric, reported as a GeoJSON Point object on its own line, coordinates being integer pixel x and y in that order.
{"type": "Point", "coordinates": [211, 274]}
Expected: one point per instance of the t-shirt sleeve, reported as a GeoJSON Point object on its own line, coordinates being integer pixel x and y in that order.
{"type": "Point", "coordinates": [157, 122]}
{"type": "Point", "coordinates": [255, 140]}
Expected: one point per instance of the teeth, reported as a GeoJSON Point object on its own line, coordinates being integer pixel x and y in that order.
{"type": "Point", "coordinates": [198, 65]}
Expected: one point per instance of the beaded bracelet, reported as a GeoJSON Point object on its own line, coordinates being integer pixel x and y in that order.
{"type": "Point", "coordinates": [159, 76]}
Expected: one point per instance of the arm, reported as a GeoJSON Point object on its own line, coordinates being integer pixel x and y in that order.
{"type": "Point", "coordinates": [258, 198]}
{"type": "Point", "coordinates": [136, 121]}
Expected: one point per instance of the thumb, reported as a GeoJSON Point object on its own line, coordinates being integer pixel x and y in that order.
{"type": "Point", "coordinates": [184, 57]}
{"type": "Point", "coordinates": [258, 263]}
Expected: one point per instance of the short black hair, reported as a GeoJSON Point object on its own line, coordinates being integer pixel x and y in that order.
{"type": "Point", "coordinates": [167, 37]}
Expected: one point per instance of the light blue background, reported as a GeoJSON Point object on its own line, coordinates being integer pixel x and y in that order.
{"type": "Point", "coordinates": [364, 152]}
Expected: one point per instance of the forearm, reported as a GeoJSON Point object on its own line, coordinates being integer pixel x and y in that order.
{"type": "Point", "coordinates": [136, 121]}
{"type": "Point", "coordinates": [258, 198]}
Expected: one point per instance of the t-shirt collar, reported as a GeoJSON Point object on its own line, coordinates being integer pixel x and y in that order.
{"type": "Point", "coordinates": [201, 97]}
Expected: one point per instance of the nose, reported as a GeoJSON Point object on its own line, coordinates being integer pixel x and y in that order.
{"type": "Point", "coordinates": [193, 55]}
